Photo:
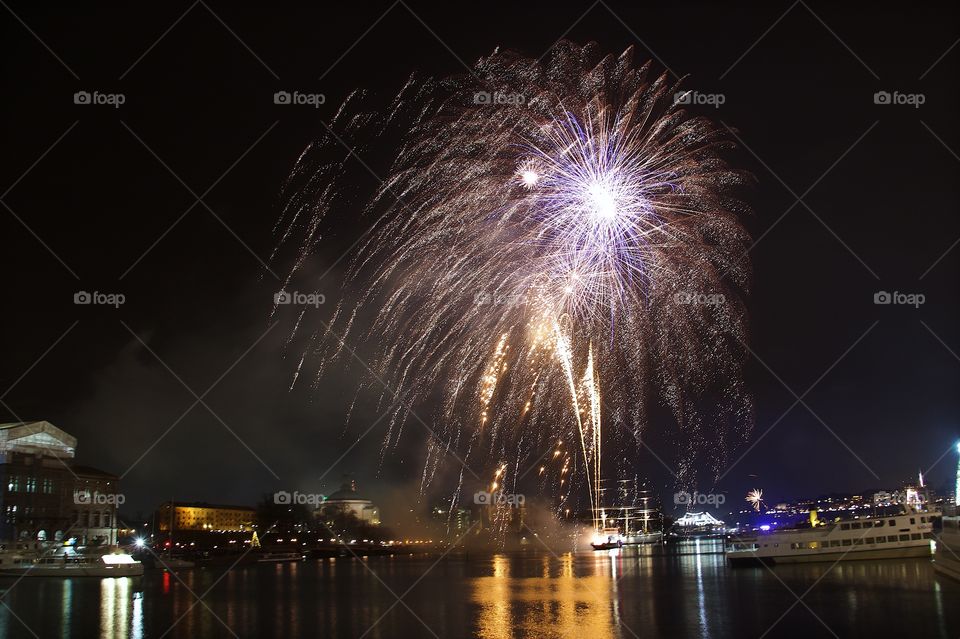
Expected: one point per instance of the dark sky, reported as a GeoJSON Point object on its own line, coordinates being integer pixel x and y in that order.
{"type": "Point", "coordinates": [99, 198]}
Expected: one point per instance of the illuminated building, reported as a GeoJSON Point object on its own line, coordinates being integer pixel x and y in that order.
{"type": "Point", "coordinates": [956, 490]}
{"type": "Point", "coordinates": [202, 516]}
{"type": "Point", "coordinates": [346, 502]}
{"type": "Point", "coordinates": [454, 521]}
{"type": "Point", "coordinates": [45, 496]}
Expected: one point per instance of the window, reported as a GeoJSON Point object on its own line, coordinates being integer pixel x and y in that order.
{"type": "Point", "coordinates": [31, 484]}
{"type": "Point", "coordinates": [878, 524]}
{"type": "Point", "coordinates": [923, 520]}
{"type": "Point", "coordinates": [834, 543]}
{"type": "Point", "coordinates": [915, 536]}
{"type": "Point", "coordinates": [855, 525]}
{"type": "Point", "coordinates": [813, 545]}
{"type": "Point", "coordinates": [928, 535]}
{"type": "Point", "coordinates": [47, 486]}
{"type": "Point", "coordinates": [869, 541]}
{"type": "Point", "coordinates": [847, 542]}
{"type": "Point", "coordinates": [913, 520]}
{"type": "Point", "coordinates": [904, 537]}
{"type": "Point", "coordinates": [844, 526]}
{"type": "Point", "coordinates": [892, 522]}
{"type": "Point", "coordinates": [858, 542]}
{"type": "Point", "coordinates": [881, 540]}
{"type": "Point", "coordinates": [13, 484]}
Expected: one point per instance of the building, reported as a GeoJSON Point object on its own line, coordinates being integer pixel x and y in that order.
{"type": "Point", "coordinates": [45, 496]}
{"type": "Point", "coordinates": [452, 521]}
{"type": "Point", "coordinates": [199, 516]}
{"type": "Point", "coordinates": [348, 502]}
{"type": "Point", "coordinates": [883, 498]}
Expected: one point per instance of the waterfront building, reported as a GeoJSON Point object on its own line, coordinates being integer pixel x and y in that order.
{"type": "Point", "coordinates": [173, 516]}
{"type": "Point", "coordinates": [348, 502]}
{"type": "Point", "coordinates": [45, 496]}
{"type": "Point", "coordinates": [455, 521]}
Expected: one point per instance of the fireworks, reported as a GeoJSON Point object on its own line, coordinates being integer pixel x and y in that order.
{"type": "Point", "coordinates": [755, 497]}
{"type": "Point", "coordinates": [526, 254]}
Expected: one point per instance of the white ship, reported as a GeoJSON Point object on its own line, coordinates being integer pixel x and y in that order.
{"type": "Point", "coordinates": [947, 558]}
{"type": "Point", "coordinates": [65, 562]}
{"type": "Point", "coordinates": [905, 535]}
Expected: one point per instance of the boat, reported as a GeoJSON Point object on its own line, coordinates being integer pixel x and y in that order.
{"type": "Point", "coordinates": [65, 561]}
{"type": "Point", "coordinates": [909, 534]}
{"type": "Point", "coordinates": [274, 557]}
{"type": "Point", "coordinates": [607, 539]}
{"type": "Point", "coordinates": [641, 538]}
{"type": "Point", "coordinates": [174, 563]}
{"type": "Point", "coordinates": [946, 559]}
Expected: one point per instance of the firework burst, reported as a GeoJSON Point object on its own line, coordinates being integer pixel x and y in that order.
{"type": "Point", "coordinates": [526, 254]}
{"type": "Point", "coordinates": [755, 498]}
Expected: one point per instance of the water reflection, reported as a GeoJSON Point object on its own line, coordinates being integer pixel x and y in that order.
{"type": "Point", "coordinates": [682, 590]}
{"type": "Point", "coordinates": [116, 605]}
{"type": "Point", "coordinates": [555, 603]}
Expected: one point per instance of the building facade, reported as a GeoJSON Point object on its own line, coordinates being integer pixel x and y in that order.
{"type": "Point", "coordinates": [200, 516]}
{"type": "Point", "coordinates": [348, 502]}
{"type": "Point", "coordinates": [45, 496]}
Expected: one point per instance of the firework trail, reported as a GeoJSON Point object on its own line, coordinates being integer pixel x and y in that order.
{"type": "Point", "coordinates": [544, 230]}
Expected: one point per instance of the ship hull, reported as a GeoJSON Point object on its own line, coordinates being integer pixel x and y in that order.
{"type": "Point", "coordinates": [946, 560]}
{"type": "Point", "coordinates": [907, 552]}
{"type": "Point", "coordinates": [92, 571]}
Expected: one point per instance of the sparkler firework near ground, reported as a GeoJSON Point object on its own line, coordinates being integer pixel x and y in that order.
{"type": "Point", "coordinates": [555, 251]}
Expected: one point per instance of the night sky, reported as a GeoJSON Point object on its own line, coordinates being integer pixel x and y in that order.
{"type": "Point", "coordinates": [852, 198]}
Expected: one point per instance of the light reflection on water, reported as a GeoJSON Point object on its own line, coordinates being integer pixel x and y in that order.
{"type": "Point", "coordinates": [560, 604]}
{"type": "Point", "coordinates": [686, 591]}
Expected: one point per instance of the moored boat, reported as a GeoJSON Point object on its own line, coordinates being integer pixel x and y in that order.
{"type": "Point", "coordinates": [66, 562]}
{"type": "Point", "coordinates": [909, 534]}
{"type": "Point", "coordinates": [607, 539]}
{"type": "Point", "coordinates": [946, 559]}
{"type": "Point", "coordinates": [273, 557]}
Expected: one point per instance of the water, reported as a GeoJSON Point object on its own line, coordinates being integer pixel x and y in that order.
{"type": "Point", "coordinates": [593, 595]}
